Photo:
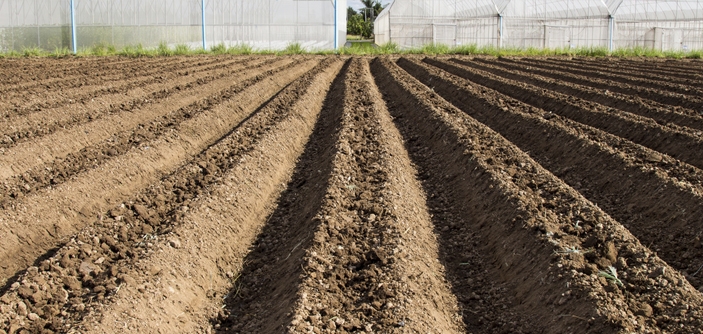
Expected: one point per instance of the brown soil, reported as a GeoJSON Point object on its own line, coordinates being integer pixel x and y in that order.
{"type": "Point", "coordinates": [629, 78]}
{"type": "Point", "coordinates": [334, 195]}
{"type": "Point", "coordinates": [669, 139]}
{"type": "Point", "coordinates": [582, 77]}
{"type": "Point", "coordinates": [66, 167]}
{"type": "Point", "coordinates": [595, 163]}
{"type": "Point", "coordinates": [688, 66]}
{"type": "Point", "coordinates": [28, 72]}
{"type": "Point", "coordinates": [662, 114]}
{"type": "Point", "coordinates": [122, 96]}
{"type": "Point", "coordinates": [60, 211]}
{"type": "Point", "coordinates": [655, 67]}
{"type": "Point", "coordinates": [46, 149]}
{"type": "Point", "coordinates": [690, 85]}
{"type": "Point", "coordinates": [566, 230]}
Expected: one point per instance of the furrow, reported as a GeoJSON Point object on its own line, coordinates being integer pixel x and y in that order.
{"type": "Point", "coordinates": [625, 79]}
{"type": "Point", "coordinates": [40, 69]}
{"type": "Point", "coordinates": [635, 74]}
{"type": "Point", "coordinates": [92, 83]}
{"type": "Point", "coordinates": [652, 66]}
{"type": "Point", "coordinates": [369, 260]}
{"type": "Point", "coordinates": [690, 66]}
{"type": "Point", "coordinates": [270, 273]}
{"type": "Point", "coordinates": [85, 76]}
{"type": "Point", "coordinates": [378, 240]}
{"type": "Point", "coordinates": [57, 212]}
{"type": "Point", "coordinates": [185, 243]}
{"type": "Point", "coordinates": [58, 145]}
{"type": "Point", "coordinates": [665, 97]}
{"type": "Point", "coordinates": [524, 220]}
{"type": "Point", "coordinates": [678, 143]}
{"type": "Point", "coordinates": [60, 170]}
{"type": "Point", "coordinates": [486, 303]}
{"type": "Point", "coordinates": [649, 193]}
{"type": "Point", "coordinates": [80, 107]}
{"type": "Point", "coordinates": [660, 113]}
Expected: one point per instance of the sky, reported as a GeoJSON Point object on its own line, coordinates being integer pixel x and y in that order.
{"type": "Point", "coordinates": [356, 4]}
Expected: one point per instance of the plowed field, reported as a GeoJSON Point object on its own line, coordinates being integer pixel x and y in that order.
{"type": "Point", "coordinates": [315, 194]}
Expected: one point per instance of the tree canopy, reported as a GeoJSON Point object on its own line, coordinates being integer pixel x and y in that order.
{"type": "Point", "coordinates": [361, 23]}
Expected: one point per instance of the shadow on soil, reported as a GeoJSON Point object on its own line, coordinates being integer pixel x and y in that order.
{"type": "Point", "coordinates": [265, 290]}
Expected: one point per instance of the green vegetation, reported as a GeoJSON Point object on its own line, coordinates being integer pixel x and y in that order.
{"type": "Point", "coordinates": [356, 48]}
{"type": "Point", "coordinates": [182, 50]}
{"type": "Point", "coordinates": [356, 25]}
{"type": "Point", "coordinates": [361, 23]}
{"type": "Point", "coordinates": [164, 50]}
{"type": "Point", "coordinates": [102, 49]}
{"type": "Point", "coordinates": [293, 49]}
{"type": "Point", "coordinates": [611, 275]}
{"type": "Point", "coordinates": [33, 52]}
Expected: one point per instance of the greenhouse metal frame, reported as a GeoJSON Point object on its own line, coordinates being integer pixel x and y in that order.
{"type": "Point", "coordinates": [554, 24]}
{"type": "Point", "coordinates": [260, 24]}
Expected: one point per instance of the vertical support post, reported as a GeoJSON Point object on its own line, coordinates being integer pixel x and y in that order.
{"type": "Point", "coordinates": [336, 29]}
{"type": "Point", "coordinates": [611, 29]}
{"type": "Point", "coordinates": [202, 25]}
{"type": "Point", "coordinates": [500, 31]}
{"type": "Point", "coordinates": [73, 28]}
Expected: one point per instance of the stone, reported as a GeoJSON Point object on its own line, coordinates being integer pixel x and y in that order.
{"type": "Point", "coordinates": [22, 308]}
{"type": "Point", "coordinates": [141, 211]}
{"type": "Point", "coordinates": [128, 280]}
{"type": "Point", "coordinates": [645, 310]}
{"type": "Point", "coordinates": [72, 283]}
{"type": "Point", "coordinates": [24, 291]}
{"type": "Point", "coordinates": [174, 242]}
{"type": "Point", "coordinates": [611, 253]}
{"type": "Point", "coordinates": [86, 268]}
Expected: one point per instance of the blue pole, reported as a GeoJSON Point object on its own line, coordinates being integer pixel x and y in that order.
{"type": "Point", "coordinates": [202, 7]}
{"type": "Point", "coordinates": [336, 33]}
{"type": "Point", "coordinates": [611, 28]}
{"type": "Point", "coordinates": [73, 28]}
{"type": "Point", "coordinates": [500, 33]}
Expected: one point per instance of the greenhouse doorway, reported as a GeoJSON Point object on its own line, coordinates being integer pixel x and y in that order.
{"type": "Point", "coordinates": [557, 37]}
{"type": "Point", "coordinates": [444, 34]}
{"type": "Point", "coordinates": [664, 39]}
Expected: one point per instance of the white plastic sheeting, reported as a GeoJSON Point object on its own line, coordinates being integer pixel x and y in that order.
{"type": "Point", "coordinates": [261, 24]}
{"type": "Point", "coordinates": [562, 24]}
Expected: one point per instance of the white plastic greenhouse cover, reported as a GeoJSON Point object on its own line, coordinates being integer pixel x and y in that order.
{"type": "Point", "coordinates": [562, 24]}
{"type": "Point", "coordinates": [261, 24]}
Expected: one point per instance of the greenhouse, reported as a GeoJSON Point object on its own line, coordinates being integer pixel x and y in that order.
{"type": "Point", "coordinates": [555, 24]}
{"type": "Point", "coordinates": [261, 24]}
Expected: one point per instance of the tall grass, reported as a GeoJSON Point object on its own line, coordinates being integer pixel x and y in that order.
{"type": "Point", "coordinates": [33, 52]}
{"type": "Point", "coordinates": [61, 52]}
{"type": "Point", "coordinates": [164, 49]}
{"type": "Point", "coordinates": [293, 49]}
{"type": "Point", "coordinates": [136, 51]}
{"type": "Point", "coordinates": [219, 49]}
{"type": "Point", "coordinates": [182, 50]}
{"type": "Point", "coordinates": [102, 49]}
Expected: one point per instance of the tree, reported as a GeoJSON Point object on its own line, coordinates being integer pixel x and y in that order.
{"type": "Point", "coordinates": [356, 25]}
{"type": "Point", "coordinates": [351, 13]}
{"type": "Point", "coordinates": [360, 24]}
{"type": "Point", "coordinates": [375, 6]}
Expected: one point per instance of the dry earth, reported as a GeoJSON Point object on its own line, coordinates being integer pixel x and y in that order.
{"type": "Point", "coordinates": [312, 194]}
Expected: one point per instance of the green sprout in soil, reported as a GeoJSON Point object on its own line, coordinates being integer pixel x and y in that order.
{"type": "Point", "coordinates": [612, 275]}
